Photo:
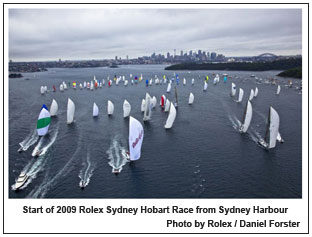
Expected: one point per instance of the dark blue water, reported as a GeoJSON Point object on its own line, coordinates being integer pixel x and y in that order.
{"type": "Point", "coordinates": [202, 156]}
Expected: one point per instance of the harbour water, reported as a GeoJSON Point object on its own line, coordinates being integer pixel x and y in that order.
{"type": "Point", "coordinates": [202, 156]}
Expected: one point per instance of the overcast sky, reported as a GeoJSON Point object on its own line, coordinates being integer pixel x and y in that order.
{"type": "Point", "coordinates": [50, 34]}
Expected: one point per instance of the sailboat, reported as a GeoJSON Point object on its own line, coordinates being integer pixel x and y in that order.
{"type": "Point", "coordinates": [252, 93]}
{"type": "Point", "coordinates": [167, 107]}
{"type": "Point", "coordinates": [126, 109]}
{"type": "Point", "coordinates": [80, 85]}
{"type": "Point", "coordinates": [148, 108]}
{"type": "Point", "coordinates": [271, 133]}
{"type": "Point", "coordinates": [154, 101]}
{"type": "Point", "coordinates": [169, 87]}
{"type": "Point", "coordinates": [171, 116]}
{"type": "Point", "coordinates": [256, 91]}
{"type": "Point", "coordinates": [191, 98]}
{"type": "Point", "coordinates": [240, 95]}
{"type": "Point", "coordinates": [247, 118]}
{"type": "Point", "coordinates": [136, 134]}
{"type": "Point", "coordinates": [126, 82]}
{"type": "Point", "coordinates": [95, 110]}
{"type": "Point", "coordinates": [44, 121]}
{"type": "Point", "coordinates": [233, 89]}
{"type": "Point", "coordinates": [163, 101]}
{"type": "Point", "coordinates": [278, 89]}
{"type": "Point", "coordinates": [193, 80]}
{"type": "Point", "coordinates": [21, 180]}
{"type": "Point", "coordinates": [143, 105]}
{"type": "Point", "coordinates": [70, 111]}
{"type": "Point", "coordinates": [61, 88]}
{"type": "Point", "coordinates": [53, 108]}
{"type": "Point", "coordinates": [84, 84]}
{"type": "Point", "coordinates": [205, 86]}
{"type": "Point", "coordinates": [42, 90]}
{"type": "Point", "coordinates": [184, 81]}
{"type": "Point", "coordinates": [110, 108]}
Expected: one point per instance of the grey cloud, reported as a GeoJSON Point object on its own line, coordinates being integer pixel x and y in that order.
{"type": "Point", "coordinates": [39, 34]}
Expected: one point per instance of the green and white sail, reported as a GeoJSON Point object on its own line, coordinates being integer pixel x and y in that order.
{"type": "Point", "coordinates": [44, 121]}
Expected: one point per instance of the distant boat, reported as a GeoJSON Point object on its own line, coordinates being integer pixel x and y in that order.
{"type": "Point", "coordinates": [256, 91]}
{"type": "Point", "coordinates": [148, 108]}
{"type": "Point", "coordinates": [126, 109]}
{"type": "Point", "coordinates": [61, 88]}
{"type": "Point", "coordinates": [53, 108]}
{"type": "Point", "coordinates": [252, 93]}
{"type": "Point", "coordinates": [233, 89]}
{"type": "Point", "coordinates": [278, 89]}
{"type": "Point", "coordinates": [70, 111]}
{"type": "Point", "coordinates": [143, 105]}
{"type": "Point", "coordinates": [136, 135]}
{"type": "Point", "coordinates": [240, 95]}
{"type": "Point", "coordinates": [169, 87]}
{"type": "Point", "coordinates": [191, 98]}
{"type": "Point", "coordinates": [205, 86]}
{"type": "Point", "coordinates": [54, 88]}
{"type": "Point", "coordinates": [171, 116]}
{"type": "Point", "coordinates": [184, 81]}
{"type": "Point", "coordinates": [126, 82]}
{"type": "Point", "coordinates": [252, 75]}
{"type": "Point", "coordinates": [163, 101]}
{"type": "Point", "coordinates": [193, 80]}
{"type": "Point", "coordinates": [42, 90]}
{"type": "Point", "coordinates": [110, 108]}
{"type": "Point", "coordinates": [84, 84]}
{"type": "Point", "coordinates": [246, 118]}
{"type": "Point", "coordinates": [271, 133]}
{"type": "Point", "coordinates": [44, 121]}
{"type": "Point", "coordinates": [95, 110]}
{"type": "Point", "coordinates": [80, 85]}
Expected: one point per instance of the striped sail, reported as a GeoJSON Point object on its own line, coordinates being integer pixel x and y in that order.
{"type": "Point", "coordinates": [44, 121]}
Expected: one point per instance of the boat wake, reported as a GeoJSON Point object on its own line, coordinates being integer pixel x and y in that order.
{"type": "Point", "coordinates": [34, 166]}
{"type": "Point", "coordinates": [86, 172]}
{"type": "Point", "coordinates": [116, 155]}
{"type": "Point", "coordinates": [28, 141]}
{"type": "Point", "coordinates": [235, 122]}
{"type": "Point", "coordinates": [45, 143]}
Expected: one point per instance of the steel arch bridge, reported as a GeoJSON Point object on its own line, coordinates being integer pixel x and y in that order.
{"type": "Point", "coordinates": [267, 55]}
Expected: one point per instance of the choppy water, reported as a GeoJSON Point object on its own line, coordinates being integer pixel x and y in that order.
{"type": "Point", "coordinates": [202, 156]}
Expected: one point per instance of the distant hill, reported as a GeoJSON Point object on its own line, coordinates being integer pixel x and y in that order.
{"type": "Point", "coordinates": [293, 72]}
{"type": "Point", "coordinates": [282, 64]}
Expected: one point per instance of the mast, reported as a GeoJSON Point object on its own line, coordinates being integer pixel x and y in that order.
{"type": "Point", "coordinates": [268, 126]}
{"type": "Point", "coordinates": [176, 95]}
{"type": "Point", "coordinates": [245, 113]}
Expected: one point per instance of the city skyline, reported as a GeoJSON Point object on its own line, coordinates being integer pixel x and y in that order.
{"type": "Point", "coordinates": [82, 34]}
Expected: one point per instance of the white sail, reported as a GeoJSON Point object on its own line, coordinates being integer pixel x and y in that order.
{"type": "Point", "coordinates": [136, 134]}
{"type": "Point", "coordinates": [193, 81]}
{"type": "Point", "coordinates": [240, 95]}
{"type": "Point", "coordinates": [148, 108]}
{"type": "Point", "coordinates": [167, 107]}
{"type": "Point", "coordinates": [84, 84]}
{"type": "Point", "coordinates": [154, 101]}
{"type": "Point", "coordinates": [171, 116]}
{"type": "Point", "coordinates": [126, 82]}
{"type": "Point", "coordinates": [44, 120]}
{"type": "Point", "coordinates": [110, 107]}
{"type": "Point", "coordinates": [126, 108]}
{"type": "Point", "coordinates": [95, 110]}
{"type": "Point", "coordinates": [191, 98]}
{"type": "Point", "coordinates": [70, 111]}
{"type": "Point", "coordinates": [143, 105]}
{"type": "Point", "coordinates": [42, 90]}
{"type": "Point", "coordinates": [247, 118]}
{"type": "Point", "coordinates": [65, 86]}
{"type": "Point", "coordinates": [151, 82]}
{"type": "Point", "coordinates": [233, 89]}
{"type": "Point", "coordinates": [184, 81]}
{"type": "Point", "coordinates": [80, 85]}
{"type": "Point", "coordinates": [53, 108]}
{"type": "Point", "coordinates": [61, 87]}
{"type": "Point", "coordinates": [251, 96]}
{"type": "Point", "coordinates": [169, 88]}
{"type": "Point", "coordinates": [256, 91]}
{"type": "Point", "coordinates": [205, 86]}
{"type": "Point", "coordinates": [91, 85]}
{"type": "Point", "coordinates": [278, 89]}
{"type": "Point", "coordinates": [273, 127]}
